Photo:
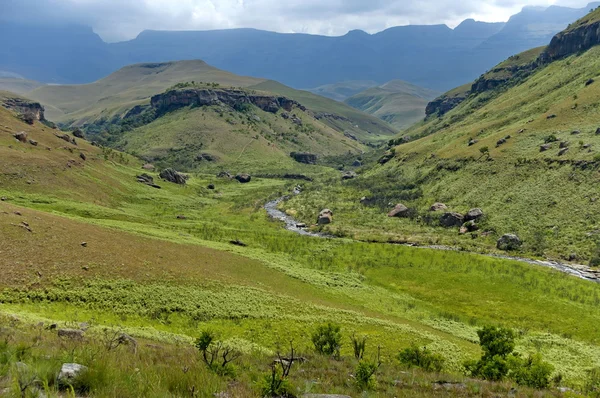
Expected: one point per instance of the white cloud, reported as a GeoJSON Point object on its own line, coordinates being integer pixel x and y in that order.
{"type": "Point", "coordinates": [123, 19]}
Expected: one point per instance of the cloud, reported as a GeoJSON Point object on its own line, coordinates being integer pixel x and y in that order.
{"type": "Point", "coordinates": [116, 20]}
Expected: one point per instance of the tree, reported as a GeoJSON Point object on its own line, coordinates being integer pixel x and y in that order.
{"type": "Point", "coordinates": [421, 358]}
{"type": "Point", "coordinates": [531, 372]}
{"type": "Point", "coordinates": [212, 350]}
{"type": "Point", "coordinates": [275, 384]}
{"type": "Point", "coordinates": [497, 344]}
{"type": "Point", "coordinates": [327, 340]}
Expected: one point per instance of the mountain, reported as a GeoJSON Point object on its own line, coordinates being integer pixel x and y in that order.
{"type": "Point", "coordinates": [399, 103]}
{"type": "Point", "coordinates": [435, 56]}
{"type": "Point", "coordinates": [341, 90]}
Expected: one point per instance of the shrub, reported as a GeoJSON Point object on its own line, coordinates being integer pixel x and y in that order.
{"type": "Point", "coordinates": [551, 138]}
{"type": "Point", "coordinates": [358, 344]}
{"type": "Point", "coordinates": [211, 352]}
{"type": "Point", "coordinates": [421, 358]}
{"type": "Point", "coordinates": [531, 372]}
{"type": "Point", "coordinates": [327, 340]}
{"type": "Point", "coordinates": [364, 374]}
{"type": "Point", "coordinates": [276, 384]}
{"type": "Point", "coordinates": [592, 383]}
{"type": "Point", "coordinates": [497, 344]}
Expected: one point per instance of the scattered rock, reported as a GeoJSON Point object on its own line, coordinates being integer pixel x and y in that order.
{"type": "Point", "coordinates": [148, 166]}
{"type": "Point", "coordinates": [551, 116]}
{"type": "Point", "coordinates": [325, 217]}
{"type": "Point", "coordinates": [148, 180]}
{"type": "Point", "coordinates": [472, 142]}
{"type": "Point", "coordinates": [545, 147]}
{"type": "Point", "coordinates": [33, 142]}
{"type": "Point", "coordinates": [563, 151]}
{"type": "Point", "coordinates": [304, 157]}
{"type": "Point", "coordinates": [82, 156]}
{"type": "Point", "coordinates": [500, 142]}
{"type": "Point", "coordinates": [473, 214]}
{"type": "Point", "coordinates": [67, 137]}
{"type": "Point", "coordinates": [69, 372]}
{"type": "Point", "coordinates": [399, 211]}
{"type": "Point", "coordinates": [73, 334]}
{"type": "Point", "coordinates": [366, 201]}
{"type": "Point", "coordinates": [173, 176]}
{"type": "Point", "coordinates": [224, 174]}
{"type": "Point", "coordinates": [564, 144]}
{"type": "Point", "coordinates": [84, 244]}
{"type": "Point", "coordinates": [211, 186]}
{"type": "Point", "coordinates": [357, 163]}
{"type": "Point", "coordinates": [590, 81]}
{"type": "Point", "coordinates": [450, 220]}
{"type": "Point", "coordinates": [238, 242]}
{"type": "Point", "coordinates": [509, 242]}
{"type": "Point", "coordinates": [243, 178]}
{"type": "Point", "coordinates": [301, 225]}
{"type": "Point", "coordinates": [78, 133]}
{"type": "Point", "coordinates": [389, 155]}
{"type": "Point", "coordinates": [181, 217]}
{"type": "Point", "coordinates": [206, 157]}
{"type": "Point", "coordinates": [21, 136]}
{"type": "Point", "coordinates": [438, 207]}
{"type": "Point", "coordinates": [349, 175]}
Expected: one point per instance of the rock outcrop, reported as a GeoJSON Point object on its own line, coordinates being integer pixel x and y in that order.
{"type": "Point", "coordinates": [399, 211]}
{"type": "Point", "coordinates": [232, 97]}
{"type": "Point", "coordinates": [445, 104]}
{"type": "Point", "coordinates": [438, 207]}
{"type": "Point", "coordinates": [450, 220]}
{"type": "Point", "coordinates": [304, 157]}
{"type": "Point", "coordinates": [173, 176]}
{"type": "Point", "coordinates": [509, 242]}
{"type": "Point", "coordinates": [30, 111]}
{"type": "Point", "coordinates": [243, 178]}
{"type": "Point", "coordinates": [325, 217]}
{"type": "Point", "coordinates": [572, 41]}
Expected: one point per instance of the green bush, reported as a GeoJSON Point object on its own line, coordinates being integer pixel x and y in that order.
{"type": "Point", "coordinates": [359, 344]}
{"type": "Point", "coordinates": [421, 358]}
{"type": "Point", "coordinates": [497, 344]}
{"type": "Point", "coordinates": [327, 340]}
{"type": "Point", "coordinates": [365, 370]}
{"type": "Point", "coordinates": [275, 384]}
{"type": "Point", "coordinates": [531, 372]}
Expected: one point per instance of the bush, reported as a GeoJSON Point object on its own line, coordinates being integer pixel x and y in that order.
{"type": "Point", "coordinates": [531, 372]}
{"type": "Point", "coordinates": [421, 358]}
{"type": "Point", "coordinates": [592, 383]}
{"type": "Point", "coordinates": [327, 340]}
{"type": "Point", "coordinates": [216, 355]}
{"type": "Point", "coordinates": [497, 344]}
{"type": "Point", "coordinates": [364, 375]}
{"type": "Point", "coordinates": [359, 345]}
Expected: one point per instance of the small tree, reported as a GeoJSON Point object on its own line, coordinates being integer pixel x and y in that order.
{"type": "Point", "coordinates": [275, 384]}
{"type": "Point", "coordinates": [421, 358]}
{"type": "Point", "coordinates": [327, 340]}
{"type": "Point", "coordinates": [531, 372]}
{"type": "Point", "coordinates": [216, 355]}
{"type": "Point", "coordinates": [359, 344]}
{"type": "Point", "coordinates": [497, 344]}
{"type": "Point", "coordinates": [366, 370]}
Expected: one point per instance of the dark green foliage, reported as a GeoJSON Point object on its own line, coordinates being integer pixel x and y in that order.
{"type": "Point", "coordinates": [359, 344]}
{"type": "Point", "coordinates": [365, 370]}
{"type": "Point", "coordinates": [497, 344]}
{"type": "Point", "coordinates": [592, 383]}
{"type": "Point", "coordinates": [550, 139]}
{"type": "Point", "coordinates": [421, 358]}
{"type": "Point", "coordinates": [531, 372]}
{"type": "Point", "coordinates": [327, 340]}
{"type": "Point", "coordinates": [595, 259]}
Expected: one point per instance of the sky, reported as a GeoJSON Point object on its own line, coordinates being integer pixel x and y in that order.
{"type": "Point", "coordinates": [117, 20]}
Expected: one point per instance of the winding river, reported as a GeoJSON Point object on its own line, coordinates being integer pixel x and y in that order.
{"type": "Point", "coordinates": [291, 224]}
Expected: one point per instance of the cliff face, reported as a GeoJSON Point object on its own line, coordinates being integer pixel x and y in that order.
{"type": "Point", "coordinates": [30, 111]}
{"type": "Point", "coordinates": [572, 41]}
{"type": "Point", "coordinates": [444, 104]}
{"type": "Point", "coordinates": [234, 98]}
{"type": "Point", "coordinates": [500, 76]}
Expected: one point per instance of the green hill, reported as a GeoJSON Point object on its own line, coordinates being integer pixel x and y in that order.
{"type": "Point", "coordinates": [399, 103]}
{"type": "Point", "coordinates": [19, 86]}
{"type": "Point", "coordinates": [342, 90]}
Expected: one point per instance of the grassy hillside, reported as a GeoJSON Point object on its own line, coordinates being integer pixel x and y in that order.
{"type": "Point", "coordinates": [342, 90]}
{"type": "Point", "coordinates": [83, 242]}
{"type": "Point", "coordinates": [399, 103]}
{"type": "Point", "coordinates": [19, 86]}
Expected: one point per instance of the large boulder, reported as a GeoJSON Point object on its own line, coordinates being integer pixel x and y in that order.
{"type": "Point", "coordinates": [349, 175]}
{"type": "Point", "coordinates": [399, 211]}
{"type": "Point", "coordinates": [173, 176]}
{"type": "Point", "coordinates": [474, 214]}
{"type": "Point", "coordinates": [21, 136]}
{"type": "Point", "coordinates": [69, 372]}
{"type": "Point", "coordinates": [304, 157]}
{"type": "Point", "coordinates": [78, 133]}
{"type": "Point", "coordinates": [148, 166]}
{"type": "Point", "coordinates": [509, 242]}
{"type": "Point", "coordinates": [438, 207]}
{"type": "Point", "coordinates": [243, 178]}
{"type": "Point", "coordinates": [325, 217]}
{"type": "Point", "coordinates": [450, 220]}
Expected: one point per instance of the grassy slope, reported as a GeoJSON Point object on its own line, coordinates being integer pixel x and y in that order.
{"type": "Point", "coordinates": [19, 86]}
{"type": "Point", "coordinates": [342, 90]}
{"type": "Point", "coordinates": [399, 103]}
{"type": "Point", "coordinates": [163, 278]}
{"type": "Point", "coordinates": [545, 198]}
{"type": "Point", "coordinates": [366, 127]}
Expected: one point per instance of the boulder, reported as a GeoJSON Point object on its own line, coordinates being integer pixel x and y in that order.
{"type": "Point", "coordinates": [82, 156]}
{"type": "Point", "coordinates": [357, 163]}
{"type": "Point", "coordinates": [73, 334]}
{"type": "Point", "coordinates": [450, 220]}
{"type": "Point", "coordinates": [501, 141]}
{"type": "Point", "coordinates": [224, 174]}
{"type": "Point", "coordinates": [78, 133]}
{"type": "Point", "coordinates": [575, 132]}
{"type": "Point", "coordinates": [325, 217]}
{"type": "Point", "coordinates": [564, 144]}
{"type": "Point", "coordinates": [147, 179]}
{"type": "Point", "coordinates": [473, 214]}
{"type": "Point", "coordinates": [399, 211]}
{"type": "Point", "coordinates": [69, 372]}
{"type": "Point", "coordinates": [590, 81]}
{"type": "Point", "coordinates": [243, 178]}
{"type": "Point", "coordinates": [67, 137]}
{"type": "Point", "coordinates": [349, 175]}
{"type": "Point", "coordinates": [21, 136]}
{"type": "Point", "coordinates": [207, 157]}
{"type": "Point", "coordinates": [173, 176]}
{"type": "Point", "coordinates": [545, 147]}
{"type": "Point", "coordinates": [304, 157]}
{"type": "Point", "coordinates": [148, 166]}
{"type": "Point", "coordinates": [438, 207]}
{"type": "Point", "coordinates": [509, 242]}
{"type": "Point", "coordinates": [472, 142]}
{"type": "Point", "coordinates": [33, 142]}
{"type": "Point", "coordinates": [211, 186]}
{"type": "Point", "coordinates": [563, 151]}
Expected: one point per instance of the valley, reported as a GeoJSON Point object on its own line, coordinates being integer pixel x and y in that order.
{"type": "Point", "coordinates": [178, 230]}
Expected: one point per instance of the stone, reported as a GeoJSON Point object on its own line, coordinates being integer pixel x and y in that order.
{"type": "Point", "coordinates": [471, 226]}
{"type": "Point", "coordinates": [301, 225]}
{"type": "Point", "coordinates": [21, 136]}
{"type": "Point", "coordinates": [575, 132]}
{"type": "Point", "coordinates": [206, 157]}
{"type": "Point", "coordinates": [82, 156]}
{"type": "Point", "coordinates": [590, 81]}
{"type": "Point", "coordinates": [500, 142]}
{"type": "Point", "coordinates": [545, 147]}
{"type": "Point", "coordinates": [349, 175]}
{"type": "Point", "coordinates": [174, 176]}
{"type": "Point", "coordinates": [399, 211]}
{"type": "Point", "coordinates": [67, 137]}
{"type": "Point", "coordinates": [509, 242]}
{"type": "Point", "coordinates": [304, 157]}
{"type": "Point", "coordinates": [78, 133]}
{"type": "Point", "coordinates": [563, 151]}
{"type": "Point", "coordinates": [148, 166]}
{"type": "Point", "coordinates": [564, 144]}
{"type": "Point", "coordinates": [33, 142]}
{"type": "Point", "coordinates": [3, 199]}
{"type": "Point", "coordinates": [587, 146]}
{"type": "Point", "coordinates": [451, 219]}
{"type": "Point", "coordinates": [84, 244]}
{"type": "Point", "coordinates": [181, 217]}
{"type": "Point", "coordinates": [472, 142]}
{"type": "Point", "coordinates": [551, 116]}
{"type": "Point", "coordinates": [438, 207]}
{"type": "Point", "coordinates": [325, 217]}
{"type": "Point", "coordinates": [243, 178]}
{"type": "Point", "coordinates": [238, 242]}
{"type": "Point", "coordinates": [224, 174]}
{"type": "Point", "coordinates": [325, 396]}
{"type": "Point", "coordinates": [73, 334]}
{"type": "Point", "coordinates": [148, 180]}
{"type": "Point", "coordinates": [365, 201]}
{"type": "Point", "coordinates": [69, 372]}
{"type": "Point", "coordinates": [473, 214]}
{"type": "Point", "coordinates": [357, 163]}
{"type": "Point", "coordinates": [598, 131]}
{"type": "Point", "coordinates": [211, 186]}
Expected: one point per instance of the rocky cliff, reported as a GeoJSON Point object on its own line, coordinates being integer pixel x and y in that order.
{"type": "Point", "coordinates": [29, 111]}
{"type": "Point", "coordinates": [235, 98]}
{"type": "Point", "coordinates": [571, 41]}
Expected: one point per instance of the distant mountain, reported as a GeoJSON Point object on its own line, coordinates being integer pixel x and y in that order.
{"type": "Point", "coordinates": [397, 102]}
{"type": "Point", "coordinates": [435, 56]}
{"type": "Point", "coordinates": [342, 90]}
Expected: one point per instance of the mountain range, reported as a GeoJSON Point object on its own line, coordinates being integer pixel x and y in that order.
{"type": "Point", "coordinates": [434, 56]}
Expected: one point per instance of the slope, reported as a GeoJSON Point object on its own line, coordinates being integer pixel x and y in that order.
{"type": "Point", "coordinates": [341, 90]}
{"type": "Point", "coordinates": [397, 102]}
